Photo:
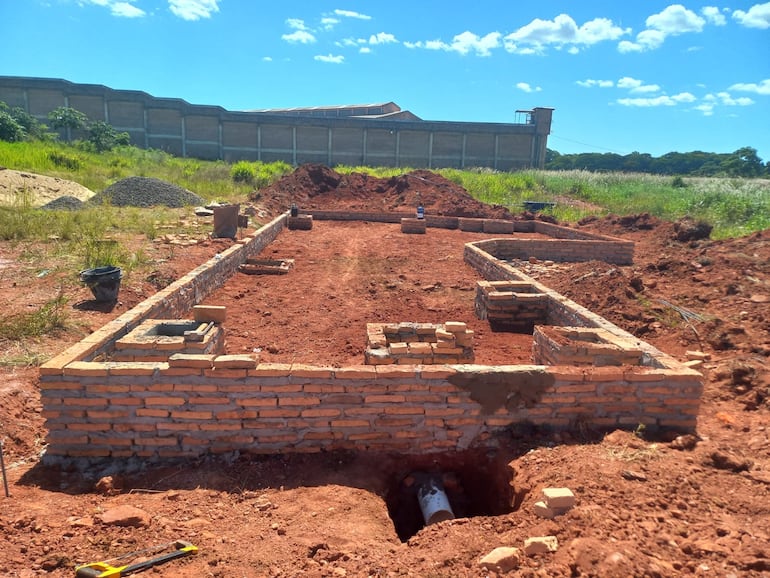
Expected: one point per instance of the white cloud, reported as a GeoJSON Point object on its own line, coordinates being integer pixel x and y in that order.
{"type": "Point", "coordinates": [193, 9]}
{"type": "Point", "coordinates": [434, 45]}
{"type": "Point", "coordinates": [328, 22]}
{"type": "Point", "coordinates": [382, 38]}
{"type": "Point", "coordinates": [561, 31]}
{"type": "Point", "coordinates": [590, 82]}
{"type": "Point", "coordinates": [707, 108]}
{"type": "Point", "coordinates": [663, 100]}
{"type": "Point", "coordinates": [330, 58]}
{"type": "Point", "coordinates": [126, 10]}
{"type": "Point", "coordinates": [676, 19]}
{"type": "Point", "coordinates": [121, 9]}
{"type": "Point", "coordinates": [758, 16]}
{"type": "Point", "coordinates": [462, 44]}
{"type": "Point", "coordinates": [365, 50]}
{"type": "Point", "coordinates": [267, 59]}
{"type": "Point", "coordinates": [711, 101]}
{"type": "Point", "coordinates": [727, 100]}
{"type": "Point", "coordinates": [763, 87]}
{"type": "Point", "coordinates": [628, 82]}
{"type": "Point", "coordinates": [714, 15]}
{"type": "Point", "coordinates": [299, 37]}
{"type": "Point", "coordinates": [351, 14]}
{"type": "Point", "coordinates": [348, 42]}
{"type": "Point", "coordinates": [671, 21]}
{"type": "Point", "coordinates": [636, 86]}
{"type": "Point", "coordinates": [296, 24]}
{"type": "Point", "coordinates": [526, 87]}
{"type": "Point", "coordinates": [469, 42]}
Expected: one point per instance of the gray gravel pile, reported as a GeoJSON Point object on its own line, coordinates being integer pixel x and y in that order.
{"type": "Point", "coordinates": [65, 203]}
{"type": "Point", "coordinates": [146, 192]}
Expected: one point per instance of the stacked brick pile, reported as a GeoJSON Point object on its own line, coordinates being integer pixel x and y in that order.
{"type": "Point", "coordinates": [511, 305]}
{"type": "Point", "coordinates": [418, 343]}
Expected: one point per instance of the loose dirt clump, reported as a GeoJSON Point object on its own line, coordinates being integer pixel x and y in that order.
{"type": "Point", "coordinates": [694, 505]}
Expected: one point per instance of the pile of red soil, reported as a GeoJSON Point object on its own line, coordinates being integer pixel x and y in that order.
{"type": "Point", "coordinates": [314, 186]}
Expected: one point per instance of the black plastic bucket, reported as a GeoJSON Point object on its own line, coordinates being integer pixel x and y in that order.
{"type": "Point", "coordinates": [104, 282]}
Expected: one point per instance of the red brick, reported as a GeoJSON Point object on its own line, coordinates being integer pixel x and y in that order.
{"type": "Point", "coordinates": [344, 423]}
{"type": "Point", "coordinates": [388, 398]}
{"type": "Point", "coordinates": [298, 401]}
{"type": "Point", "coordinates": [192, 415]}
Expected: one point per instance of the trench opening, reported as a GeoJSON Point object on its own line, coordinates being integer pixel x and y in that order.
{"type": "Point", "coordinates": [473, 484]}
{"type": "Point", "coordinates": [173, 328]}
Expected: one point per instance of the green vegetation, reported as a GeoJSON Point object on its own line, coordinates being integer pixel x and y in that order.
{"type": "Point", "coordinates": [743, 162]}
{"type": "Point", "coordinates": [51, 316]}
{"type": "Point", "coordinates": [733, 206]}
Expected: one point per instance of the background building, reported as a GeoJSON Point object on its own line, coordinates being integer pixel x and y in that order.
{"type": "Point", "coordinates": [358, 135]}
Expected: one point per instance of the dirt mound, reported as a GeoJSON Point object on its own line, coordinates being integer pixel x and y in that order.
{"type": "Point", "coordinates": [314, 186]}
{"type": "Point", "coordinates": [16, 186]}
{"type": "Point", "coordinates": [688, 229]}
{"type": "Point", "coordinates": [147, 192]}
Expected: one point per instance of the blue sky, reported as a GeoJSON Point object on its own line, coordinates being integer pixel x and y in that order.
{"type": "Point", "coordinates": [649, 76]}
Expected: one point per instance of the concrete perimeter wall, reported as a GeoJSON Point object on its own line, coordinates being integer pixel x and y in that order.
{"type": "Point", "coordinates": [191, 405]}
{"type": "Point", "coordinates": [211, 132]}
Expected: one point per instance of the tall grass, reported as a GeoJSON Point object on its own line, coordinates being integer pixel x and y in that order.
{"type": "Point", "coordinates": [734, 207]}
{"type": "Point", "coordinates": [208, 179]}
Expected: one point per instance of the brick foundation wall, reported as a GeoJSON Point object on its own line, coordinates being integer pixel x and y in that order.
{"type": "Point", "coordinates": [561, 250]}
{"type": "Point", "coordinates": [175, 300]}
{"type": "Point", "coordinates": [190, 405]}
{"type": "Point", "coordinates": [153, 410]}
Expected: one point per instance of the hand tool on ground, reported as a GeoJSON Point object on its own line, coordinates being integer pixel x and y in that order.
{"type": "Point", "coordinates": [105, 570]}
{"type": "Point", "coordinates": [2, 468]}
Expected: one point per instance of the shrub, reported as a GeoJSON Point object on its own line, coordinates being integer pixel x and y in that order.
{"type": "Point", "coordinates": [243, 172]}
{"type": "Point", "coordinates": [10, 130]}
{"type": "Point", "coordinates": [103, 137]}
{"type": "Point", "coordinates": [62, 160]}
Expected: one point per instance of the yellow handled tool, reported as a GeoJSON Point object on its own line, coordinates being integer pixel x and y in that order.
{"type": "Point", "coordinates": [105, 570]}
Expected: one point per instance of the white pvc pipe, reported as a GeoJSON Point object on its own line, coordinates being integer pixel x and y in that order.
{"type": "Point", "coordinates": [434, 503]}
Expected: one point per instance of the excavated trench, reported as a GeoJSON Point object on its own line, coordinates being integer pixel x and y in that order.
{"type": "Point", "coordinates": [475, 483]}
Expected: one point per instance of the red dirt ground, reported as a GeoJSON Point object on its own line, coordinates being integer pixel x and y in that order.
{"type": "Point", "coordinates": [645, 507]}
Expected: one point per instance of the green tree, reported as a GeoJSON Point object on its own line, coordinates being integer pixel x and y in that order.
{"type": "Point", "coordinates": [68, 119]}
{"type": "Point", "coordinates": [32, 127]}
{"type": "Point", "coordinates": [743, 163]}
{"type": "Point", "coordinates": [103, 137]}
{"type": "Point", "coordinates": [10, 130]}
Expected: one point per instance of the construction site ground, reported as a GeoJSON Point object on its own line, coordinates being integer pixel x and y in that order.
{"type": "Point", "coordinates": [647, 505]}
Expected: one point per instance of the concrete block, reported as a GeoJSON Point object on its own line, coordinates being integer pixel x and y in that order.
{"type": "Point", "coordinates": [559, 498]}
{"type": "Point", "coordinates": [502, 559]}
{"type": "Point", "coordinates": [209, 313]}
{"type": "Point", "coordinates": [235, 362]}
{"type": "Point", "coordinates": [540, 545]}
{"type": "Point", "coordinates": [542, 510]}
{"type": "Point", "coordinates": [191, 360]}
{"type": "Point", "coordinates": [455, 327]}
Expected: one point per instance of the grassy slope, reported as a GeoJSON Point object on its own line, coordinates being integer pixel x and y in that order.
{"type": "Point", "coordinates": [734, 207]}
